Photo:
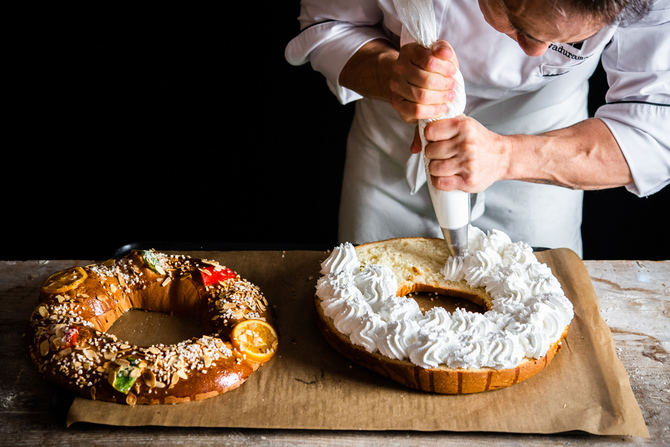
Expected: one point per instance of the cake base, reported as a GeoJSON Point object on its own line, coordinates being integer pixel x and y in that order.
{"type": "Point", "coordinates": [440, 380]}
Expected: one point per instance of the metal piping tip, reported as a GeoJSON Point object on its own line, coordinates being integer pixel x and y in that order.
{"type": "Point", "coordinates": [457, 240]}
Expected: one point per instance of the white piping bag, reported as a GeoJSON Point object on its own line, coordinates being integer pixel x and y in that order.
{"type": "Point", "coordinates": [452, 208]}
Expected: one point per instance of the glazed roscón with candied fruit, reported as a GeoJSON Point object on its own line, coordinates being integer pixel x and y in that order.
{"type": "Point", "coordinates": [70, 345]}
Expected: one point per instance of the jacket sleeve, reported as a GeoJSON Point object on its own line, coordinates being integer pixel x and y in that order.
{"type": "Point", "coordinates": [637, 108]}
{"type": "Point", "coordinates": [331, 32]}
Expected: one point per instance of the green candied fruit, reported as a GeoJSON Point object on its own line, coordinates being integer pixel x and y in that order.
{"type": "Point", "coordinates": [151, 259]}
{"type": "Point", "coordinates": [123, 380]}
{"type": "Point", "coordinates": [133, 360]}
{"type": "Point", "coordinates": [123, 383]}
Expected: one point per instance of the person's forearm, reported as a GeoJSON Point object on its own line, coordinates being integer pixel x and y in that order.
{"type": "Point", "coordinates": [368, 71]}
{"type": "Point", "coordinates": [583, 156]}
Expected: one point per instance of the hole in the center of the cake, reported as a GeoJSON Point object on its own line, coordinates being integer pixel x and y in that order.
{"type": "Point", "coordinates": [146, 328]}
{"type": "Point", "coordinates": [428, 300]}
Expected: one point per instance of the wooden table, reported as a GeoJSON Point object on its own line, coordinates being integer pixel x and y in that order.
{"type": "Point", "coordinates": [634, 297]}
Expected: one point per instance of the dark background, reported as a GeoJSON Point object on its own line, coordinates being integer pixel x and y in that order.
{"type": "Point", "coordinates": [186, 128]}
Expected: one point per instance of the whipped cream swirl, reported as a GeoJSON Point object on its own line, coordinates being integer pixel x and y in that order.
{"type": "Point", "coordinates": [528, 311]}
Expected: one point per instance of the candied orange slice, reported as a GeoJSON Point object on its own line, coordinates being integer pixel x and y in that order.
{"type": "Point", "coordinates": [65, 280]}
{"type": "Point", "coordinates": [256, 339]}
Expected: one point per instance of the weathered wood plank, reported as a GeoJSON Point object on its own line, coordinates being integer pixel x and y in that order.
{"type": "Point", "coordinates": [634, 298]}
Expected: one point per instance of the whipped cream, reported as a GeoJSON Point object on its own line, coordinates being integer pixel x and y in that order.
{"type": "Point", "coordinates": [529, 310]}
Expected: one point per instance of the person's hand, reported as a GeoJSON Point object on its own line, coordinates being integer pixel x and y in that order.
{"type": "Point", "coordinates": [422, 83]}
{"type": "Point", "coordinates": [463, 154]}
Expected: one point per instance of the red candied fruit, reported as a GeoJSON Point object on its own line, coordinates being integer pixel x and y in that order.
{"type": "Point", "coordinates": [70, 337]}
{"type": "Point", "coordinates": [215, 274]}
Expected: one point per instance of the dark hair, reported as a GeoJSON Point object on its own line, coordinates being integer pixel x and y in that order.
{"type": "Point", "coordinates": [611, 10]}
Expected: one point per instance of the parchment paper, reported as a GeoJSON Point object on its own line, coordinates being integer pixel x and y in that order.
{"type": "Point", "coordinates": [307, 385]}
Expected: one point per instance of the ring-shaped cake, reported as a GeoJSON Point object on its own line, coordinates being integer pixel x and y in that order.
{"type": "Point", "coordinates": [365, 315]}
{"type": "Point", "coordinates": [70, 345]}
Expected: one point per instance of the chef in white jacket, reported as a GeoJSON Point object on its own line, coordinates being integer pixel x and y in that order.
{"type": "Point", "coordinates": [525, 144]}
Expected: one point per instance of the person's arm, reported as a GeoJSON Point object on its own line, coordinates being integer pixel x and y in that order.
{"type": "Point", "coordinates": [416, 81]}
{"type": "Point", "coordinates": [583, 156]}
{"type": "Point", "coordinates": [464, 154]}
{"type": "Point", "coordinates": [331, 32]}
{"type": "Point", "coordinates": [467, 156]}
{"type": "Point", "coordinates": [368, 72]}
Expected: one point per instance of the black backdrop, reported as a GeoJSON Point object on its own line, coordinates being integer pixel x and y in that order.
{"type": "Point", "coordinates": [187, 126]}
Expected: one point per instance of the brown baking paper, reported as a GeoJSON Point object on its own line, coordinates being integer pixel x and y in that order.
{"type": "Point", "coordinates": [307, 385]}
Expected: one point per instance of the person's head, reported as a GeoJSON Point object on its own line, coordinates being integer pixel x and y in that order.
{"type": "Point", "coordinates": [534, 24]}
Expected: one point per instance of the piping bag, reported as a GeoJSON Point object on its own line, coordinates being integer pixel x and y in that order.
{"type": "Point", "coordinates": [452, 208]}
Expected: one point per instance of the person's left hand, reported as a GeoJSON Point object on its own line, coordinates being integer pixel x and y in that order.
{"type": "Point", "coordinates": [463, 154]}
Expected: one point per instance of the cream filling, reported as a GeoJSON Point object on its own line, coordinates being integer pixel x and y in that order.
{"type": "Point", "coordinates": [529, 309]}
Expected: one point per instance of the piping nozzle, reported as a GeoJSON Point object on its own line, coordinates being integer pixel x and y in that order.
{"type": "Point", "coordinates": [456, 239]}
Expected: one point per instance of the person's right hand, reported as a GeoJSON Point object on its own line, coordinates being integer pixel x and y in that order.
{"type": "Point", "coordinates": [422, 83]}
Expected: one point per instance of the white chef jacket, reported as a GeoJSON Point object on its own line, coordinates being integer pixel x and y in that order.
{"type": "Point", "coordinates": [507, 91]}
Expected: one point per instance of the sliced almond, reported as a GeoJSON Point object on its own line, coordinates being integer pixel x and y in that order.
{"type": "Point", "coordinates": [43, 311]}
{"type": "Point", "coordinates": [44, 347]}
{"type": "Point", "coordinates": [131, 399]}
{"type": "Point", "coordinates": [174, 380]}
{"type": "Point", "coordinates": [149, 378]}
{"type": "Point", "coordinates": [122, 362]}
